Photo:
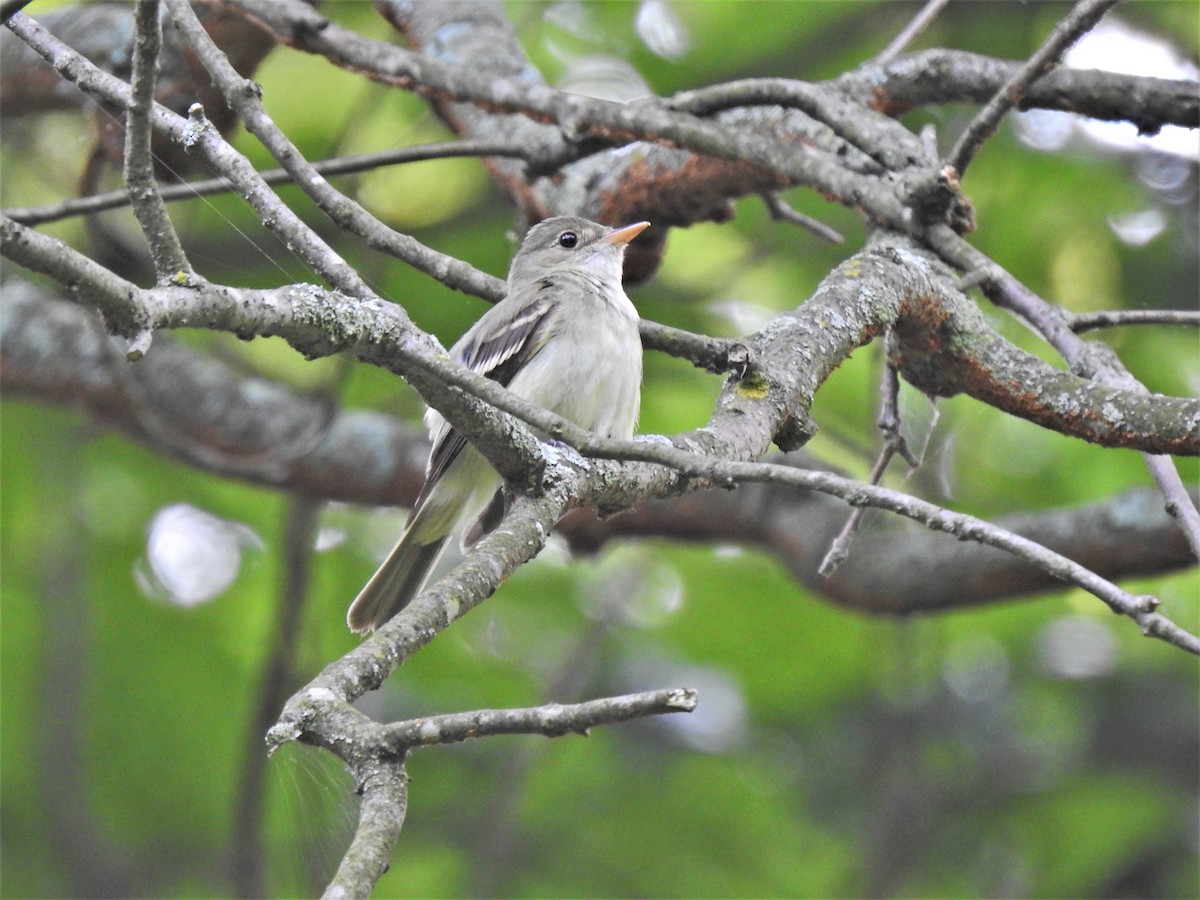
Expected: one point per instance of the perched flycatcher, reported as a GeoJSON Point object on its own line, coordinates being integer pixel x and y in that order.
{"type": "Point", "coordinates": [565, 338]}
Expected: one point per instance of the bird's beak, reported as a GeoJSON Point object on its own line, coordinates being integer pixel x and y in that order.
{"type": "Point", "coordinates": [624, 235]}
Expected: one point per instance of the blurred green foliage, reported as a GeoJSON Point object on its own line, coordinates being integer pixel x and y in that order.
{"type": "Point", "coordinates": [832, 755]}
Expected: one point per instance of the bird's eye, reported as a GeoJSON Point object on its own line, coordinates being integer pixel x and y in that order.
{"type": "Point", "coordinates": [568, 239]}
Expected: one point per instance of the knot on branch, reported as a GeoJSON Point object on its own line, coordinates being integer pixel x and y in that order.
{"type": "Point", "coordinates": [796, 430]}
{"type": "Point", "coordinates": [197, 125]}
{"type": "Point", "coordinates": [936, 198]}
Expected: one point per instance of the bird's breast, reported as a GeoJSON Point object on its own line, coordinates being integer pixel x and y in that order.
{"type": "Point", "coordinates": [589, 369]}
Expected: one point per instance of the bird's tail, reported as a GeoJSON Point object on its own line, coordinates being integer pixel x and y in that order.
{"type": "Point", "coordinates": [394, 583]}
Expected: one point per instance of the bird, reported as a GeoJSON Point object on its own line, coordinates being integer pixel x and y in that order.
{"type": "Point", "coordinates": [565, 337]}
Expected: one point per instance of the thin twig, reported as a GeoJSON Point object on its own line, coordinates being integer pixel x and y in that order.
{"type": "Point", "coordinates": [1179, 503]}
{"type": "Point", "coordinates": [919, 23]}
{"type": "Point", "coordinates": [243, 96]}
{"type": "Point", "coordinates": [170, 262]}
{"type": "Point", "coordinates": [342, 165]}
{"type": "Point", "coordinates": [1081, 322]}
{"type": "Point", "coordinates": [782, 211]}
{"type": "Point", "coordinates": [1142, 609]}
{"type": "Point", "coordinates": [713, 354]}
{"type": "Point", "coordinates": [889, 417]}
{"type": "Point", "coordinates": [551, 720]}
{"type": "Point", "coordinates": [1082, 17]}
{"type": "Point", "coordinates": [839, 547]}
{"type": "Point", "coordinates": [893, 444]}
{"type": "Point", "coordinates": [197, 136]}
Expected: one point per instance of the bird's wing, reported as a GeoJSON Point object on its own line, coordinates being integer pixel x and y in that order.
{"type": "Point", "coordinates": [514, 338]}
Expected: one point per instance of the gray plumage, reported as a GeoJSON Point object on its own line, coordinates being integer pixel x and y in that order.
{"type": "Point", "coordinates": [566, 338]}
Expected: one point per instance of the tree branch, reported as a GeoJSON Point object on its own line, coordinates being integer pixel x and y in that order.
{"type": "Point", "coordinates": [552, 720]}
{"type": "Point", "coordinates": [935, 77]}
{"type": "Point", "coordinates": [1117, 318]}
{"type": "Point", "coordinates": [778, 390]}
{"type": "Point", "coordinates": [165, 249]}
{"type": "Point", "coordinates": [1081, 19]}
{"type": "Point", "coordinates": [244, 98]}
{"type": "Point", "coordinates": [580, 117]}
{"type": "Point", "coordinates": [795, 134]}
{"type": "Point", "coordinates": [895, 567]}
{"type": "Point", "coordinates": [919, 23]}
{"type": "Point", "coordinates": [189, 190]}
{"type": "Point", "coordinates": [384, 789]}
{"type": "Point", "coordinates": [1087, 358]}
{"type": "Point", "coordinates": [197, 136]}
{"type": "Point", "coordinates": [273, 436]}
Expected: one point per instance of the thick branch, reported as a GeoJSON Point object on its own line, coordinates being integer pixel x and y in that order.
{"type": "Point", "coordinates": [201, 411]}
{"type": "Point", "coordinates": [313, 322]}
{"type": "Point", "coordinates": [581, 117]}
{"type": "Point", "coordinates": [273, 436]}
{"type": "Point", "coordinates": [770, 401]}
{"type": "Point", "coordinates": [945, 346]}
{"type": "Point", "coordinates": [1087, 358]}
{"type": "Point", "coordinates": [934, 77]}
